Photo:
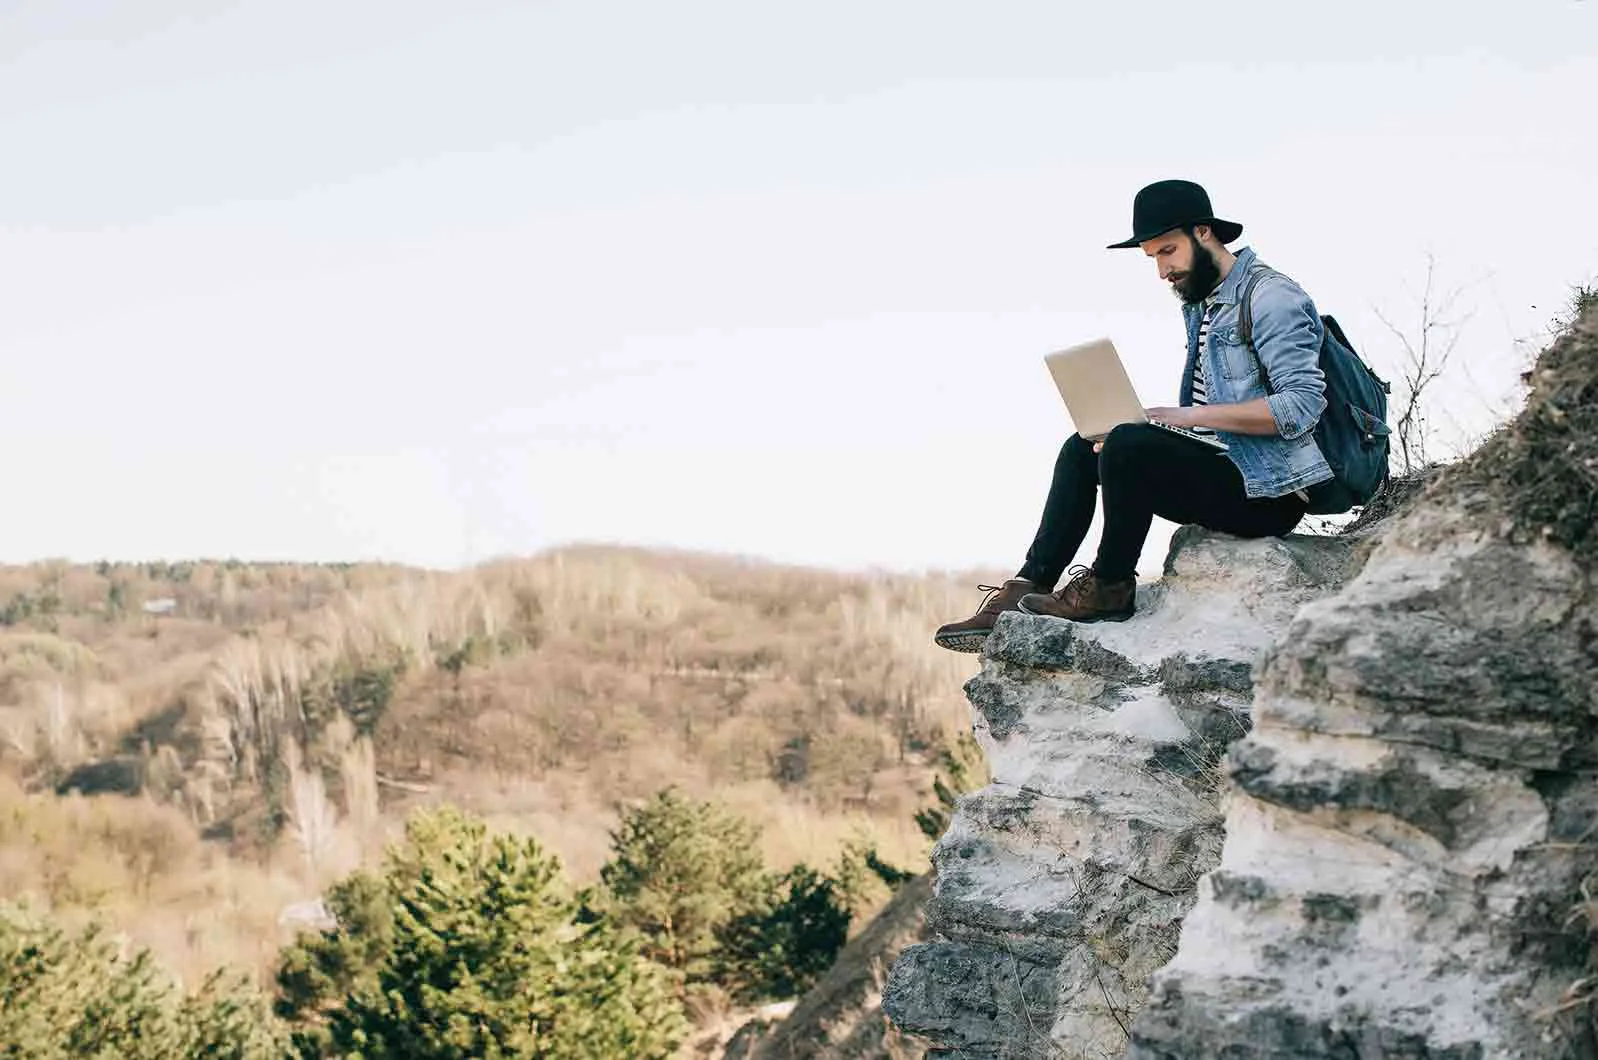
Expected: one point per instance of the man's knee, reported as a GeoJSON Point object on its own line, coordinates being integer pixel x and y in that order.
{"type": "Point", "coordinates": [1125, 438]}
{"type": "Point", "coordinates": [1075, 448]}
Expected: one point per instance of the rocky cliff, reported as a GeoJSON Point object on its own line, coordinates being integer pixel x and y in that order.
{"type": "Point", "coordinates": [1061, 887]}
{"type": "Point", "coordinates": [1394, 861]}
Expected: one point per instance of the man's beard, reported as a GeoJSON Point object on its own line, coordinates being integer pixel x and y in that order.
{"type": "Point", "coordinates": [1194, 285]}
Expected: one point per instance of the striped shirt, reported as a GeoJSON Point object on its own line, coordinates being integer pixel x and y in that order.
{"type": "Point", "coordinates": [1199, 392]}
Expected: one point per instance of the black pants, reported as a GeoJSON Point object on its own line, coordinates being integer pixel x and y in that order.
{"type": "Point", "coordinates": [1143, 472]}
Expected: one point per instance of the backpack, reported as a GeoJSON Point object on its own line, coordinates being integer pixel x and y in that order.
{"type": "Point", "coordinates": [1352, 433]}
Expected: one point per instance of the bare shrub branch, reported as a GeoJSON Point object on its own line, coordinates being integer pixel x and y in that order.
{"type": "Point", "coordinates": [1426, 357]}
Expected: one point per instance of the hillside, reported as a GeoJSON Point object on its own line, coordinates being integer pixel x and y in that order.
{"type": "Point", "coordinates": [192, 748]}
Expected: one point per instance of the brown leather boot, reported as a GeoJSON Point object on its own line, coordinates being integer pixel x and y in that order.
{"type": "Point", "coordinates": [969, 634]}
{"type": "Point", "coordinates": [1085, 598]}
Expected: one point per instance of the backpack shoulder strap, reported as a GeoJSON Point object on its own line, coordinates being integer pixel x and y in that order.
{"type": "Point", "coordinates": [1245, 307]}
{"type": "Point", "coordinates": [1245, 320]}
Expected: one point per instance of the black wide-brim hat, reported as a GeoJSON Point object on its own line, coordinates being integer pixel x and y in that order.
{"type": "Point", "coordinates": [1169, 204]}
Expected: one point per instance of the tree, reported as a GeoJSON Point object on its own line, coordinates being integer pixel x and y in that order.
{"type": "Point", "coordinates": [861, 877]}
{"type": "Point", "coordinates": [80, 995]}
{"type": "Point", "coordinates": [229, 1019]}
{"type": "Point", "coordinates": [780, 949]}
{"type": "Point", "coordinates": [317, 972]}
{"type": "Point", "coordinates": [680, 871]}
{"type": "Point", "coordinates": [471, 945]}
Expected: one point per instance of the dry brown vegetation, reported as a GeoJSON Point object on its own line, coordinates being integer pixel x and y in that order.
{"type": "Point", "coordinates": [190, 769]}
{"type": "Point", "coordinates": [1546, 460]}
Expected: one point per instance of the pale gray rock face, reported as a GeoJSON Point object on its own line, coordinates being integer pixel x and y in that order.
{"type": "Point", "coordinates": [1413, 820]}
{"type": "Point", "coordinates": [1062, 885]}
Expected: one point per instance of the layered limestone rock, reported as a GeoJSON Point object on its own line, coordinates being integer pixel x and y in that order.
{"type": "Point", "coordinates": [1415, 819]}
{"type": "Point", "coordinates": [1062, 885]}
{"type": "Point", "coordinates": [1412, 842]}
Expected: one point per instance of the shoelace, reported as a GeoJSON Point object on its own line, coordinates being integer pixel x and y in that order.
{"type": "Point", "coordinates": [990, 590]}
{"type": "Point", "coordinates": [1079, 575]}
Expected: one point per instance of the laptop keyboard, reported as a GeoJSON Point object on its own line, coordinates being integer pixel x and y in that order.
{"type": "Point", "coordinates": [1202, 437]}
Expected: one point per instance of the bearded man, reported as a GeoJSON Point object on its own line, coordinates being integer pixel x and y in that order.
{"type": "Point", "coordinates": [1256, 489]}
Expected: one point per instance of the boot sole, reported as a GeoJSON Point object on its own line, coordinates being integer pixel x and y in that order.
{"type": "Point", "coordinates": [970, 643]}
{"type": "Point", "coordinates": [1117, 616]}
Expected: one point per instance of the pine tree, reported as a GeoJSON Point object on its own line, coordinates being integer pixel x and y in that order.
{"type": "Point", "coordinates": [780, 950]}
{"type": "Point", "coordinates": [481, 953]}
{"type": "Point", "coordinates": [680, 871]}
{"type": "Point", "coordinates": [82, 996]}
{"type": "Point", "coordinates": [317, 972]}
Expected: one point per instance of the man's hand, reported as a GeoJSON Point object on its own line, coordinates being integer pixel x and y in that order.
{"type": "Point", "coordinates": [1175, 417]}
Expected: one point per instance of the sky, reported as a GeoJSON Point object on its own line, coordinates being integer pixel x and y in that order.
{"type": "Point", "coordinates": [437, 283]}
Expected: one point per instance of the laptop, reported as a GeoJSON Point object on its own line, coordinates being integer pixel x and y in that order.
{"type": "Point", "coordinates": [1099, 395]}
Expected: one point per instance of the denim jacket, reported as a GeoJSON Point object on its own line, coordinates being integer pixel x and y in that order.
{"type": "Point", "coordinates": [1287, 338]}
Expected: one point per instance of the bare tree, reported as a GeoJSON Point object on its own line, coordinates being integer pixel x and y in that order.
{"type": "Point", "coordinates": [1426, 356]}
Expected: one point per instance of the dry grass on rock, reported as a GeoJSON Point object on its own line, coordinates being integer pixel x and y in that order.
{"type": "Point", "coordinates": [1544, 464]}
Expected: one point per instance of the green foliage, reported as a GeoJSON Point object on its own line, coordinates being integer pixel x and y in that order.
{"type": "Point", "coordinates": [229, 1019]}
{"type": "Point", "coordinates": [19, 608]}
{"type": "Point", "coordinates": [162, 571]}
{"type": "Point", "coordinates": [116, 600]}
{"type": "Point", "coordinates": [318, 971]}
{"type": "Point", "coordinates": [791, 765]}
{"type": "Point", "coordinates": [862, 878]}
{"type": "Point", "coordinates": [78, 995]}
{"type": "Point", "coordinates": [889, 874]}
{"type": "Point", "coordinates": [360, 689]}
{"type": "Point", "coordinates": [682, 870]}
{"type": "Point", "coordinates": [780, 949]}
{"type": "Point", "coordinates": [476, 649]}
{"type": "Point", "coordinates": [964, 767]}
{"type": "Point", "coordinates": [364, 692]}
{"type": "Point", "coordinates": [688, 875]}
{"type": "Point", "coordinates": [470, 945]}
